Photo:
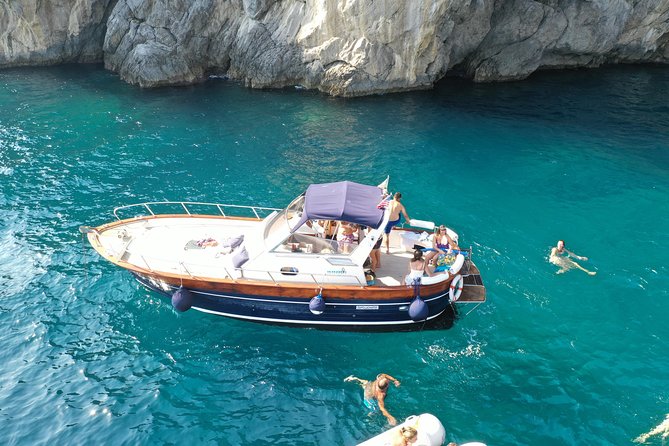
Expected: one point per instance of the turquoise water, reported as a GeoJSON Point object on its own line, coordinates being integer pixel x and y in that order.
{"type": "Point", "coordinates": [89, 357]}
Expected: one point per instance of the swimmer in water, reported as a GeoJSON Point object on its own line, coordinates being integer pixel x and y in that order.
{"type": "Point", "coordinates": [375, 393]}
{"type": "Point", "coordinates": [561, 257]}
{"type": "Point", "coordinates": [662, 428]}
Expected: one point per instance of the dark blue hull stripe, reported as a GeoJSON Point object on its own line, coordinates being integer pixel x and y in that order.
{"type": "Point", "coordinates": [293, 311]}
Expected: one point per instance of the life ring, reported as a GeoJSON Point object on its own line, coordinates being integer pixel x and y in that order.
{"type": "Point", "coordinates": [452, 293]}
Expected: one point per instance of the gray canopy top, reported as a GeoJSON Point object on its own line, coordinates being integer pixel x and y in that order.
{"type": "Point", "coordinates": [345, 201]}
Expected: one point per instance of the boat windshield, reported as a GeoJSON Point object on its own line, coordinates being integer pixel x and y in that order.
{"type": "Point", "coordinates": [309, 239]}
{"type": "Point", "coordinates": [285, 220]}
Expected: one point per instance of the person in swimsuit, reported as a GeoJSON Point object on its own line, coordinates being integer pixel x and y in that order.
{"type": "Point", "coordinates": [395, 208]}
{"type": "Point", "coordinates": [329, 227]}
{"type": "Point", "coordinates": [561, 257]}
{"type": "Point", "coordinates": [417, 267]}
{"type": "Point", "coordinates": [375, 254]}
{"type": "Point", "coordinates": [346, 236]}
{"type": "Point", "coordinates": [441, 244]}
{"type": "Point", "coordinates": [375, 393]}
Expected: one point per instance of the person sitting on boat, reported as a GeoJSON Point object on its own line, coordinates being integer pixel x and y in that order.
{"type": "Point", "coordinates": [405, 436]}
{"type": "Point", "coordinates": [441, 244]}
{"type": "Point", "coordinates": [375, 393]}
{"type": "Point", "coordinates": [560, 256]}
{"type": "Point", "coordinates": [417, 268]}
{"type": "Point", "coordinates": [396, 208]}
{"type": "Point", "coordinates": [346, 236]}
{"type": "Point", "coordinates": [330, 228]}
{"type": "Point", "coordinates": [315, 225]}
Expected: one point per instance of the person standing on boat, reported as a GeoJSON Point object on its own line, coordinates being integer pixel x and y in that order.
{"type": "Point", "coordinates": [375, 253]}
{"type": "Point", "coordinates": [396, 208]}
{"type": "Point", "coordinates": [375, 393]}
{"type": "Point", "coordinates": [561, 257]}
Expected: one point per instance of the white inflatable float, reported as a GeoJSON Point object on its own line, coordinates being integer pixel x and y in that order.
{"type": "Point", "coordinates": [430, 432]}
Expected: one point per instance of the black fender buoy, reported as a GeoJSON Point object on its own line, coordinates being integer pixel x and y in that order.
{"type": "Point", "coordinates": [182, 299]}
{"type": "Point", "coordinates": [317, 304]}
{"type": "Point", "coordinates": [418, 310]}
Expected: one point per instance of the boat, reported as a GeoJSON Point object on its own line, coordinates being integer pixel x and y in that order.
{"type": "Point", "coordinates": [277, 266]}
{"type": "Point", "coordinates": [428, 430]}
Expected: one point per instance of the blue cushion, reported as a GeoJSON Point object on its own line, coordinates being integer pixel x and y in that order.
{"type": "Point", "coordinates": [240, 257]}
{"type": "Point", "coordinates": [233, 242]}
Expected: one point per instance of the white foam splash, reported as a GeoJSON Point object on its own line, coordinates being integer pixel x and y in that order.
{"type": "Point", "coordinates": [471, 350]}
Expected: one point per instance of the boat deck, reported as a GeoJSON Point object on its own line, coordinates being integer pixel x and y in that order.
{"type": "Point", "coordinates": [166, 245]}
{"type": "Point", "coordinates": [395, 266]}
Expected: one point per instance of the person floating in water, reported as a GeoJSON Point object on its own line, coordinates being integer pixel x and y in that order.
{"type": "Point", "coordinates": [561, 257]}
{"type": "Point", "coordinates": [662, 428]}
{"type": "Point", "coordinates": [375, 393]}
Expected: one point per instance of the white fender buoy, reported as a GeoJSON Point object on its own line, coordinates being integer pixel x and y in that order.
{"type": "Point", "coordinates": [182, 299]}
{"type": "Point", "coordinates": [455, 290]}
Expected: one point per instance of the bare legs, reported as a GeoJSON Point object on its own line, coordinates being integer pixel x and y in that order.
{"type": "Point", "coordinates": [567, 264]}
{"type": "Point", "coordinates": [375, 255]}
{"type": "Point", "coordinates": [362, 382]}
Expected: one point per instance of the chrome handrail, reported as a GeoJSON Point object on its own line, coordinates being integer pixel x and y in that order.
{"type": "Point", "coordinates": [184, 204]}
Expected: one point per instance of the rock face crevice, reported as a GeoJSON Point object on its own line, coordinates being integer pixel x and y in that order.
{"type": "Point", "coordinates": [341, 47]}
{"type": "Point", "coordinates": [34, 32]}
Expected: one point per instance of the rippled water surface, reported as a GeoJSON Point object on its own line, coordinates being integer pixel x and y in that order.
{"type": "Point", "coordinates": [89, 357]}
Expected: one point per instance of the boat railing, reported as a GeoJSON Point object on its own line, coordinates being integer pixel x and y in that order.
{"type": "Point", "coordinates": [193, 208]}
{"type": "Point", "coordinates": [195, 271]}
{"type": "Point", "coordinates": [213, 270]}
{"type": "Point", "coordinates": [468, 261]}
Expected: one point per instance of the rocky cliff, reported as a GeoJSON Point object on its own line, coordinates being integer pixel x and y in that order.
{"type": "Point", "coordinates": [342, 47]}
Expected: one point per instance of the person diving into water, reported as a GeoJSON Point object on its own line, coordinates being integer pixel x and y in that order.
{"type": "Point", "coordinates": [561, 257]}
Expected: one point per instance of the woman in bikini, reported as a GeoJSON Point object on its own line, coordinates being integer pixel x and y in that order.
{"type": "Point", "coordinates": [441, 244]}
{"type": "Point", "coordinates": [346, 236]}
{"type": "Point", "coordinates": [417, 268]}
